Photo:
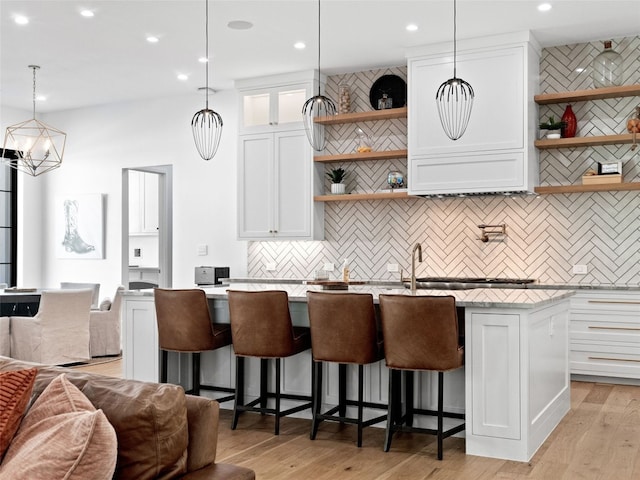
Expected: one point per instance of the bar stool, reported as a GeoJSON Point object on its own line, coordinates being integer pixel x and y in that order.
{"type": "Point", "coordinates": [184, 325]}
{"type": "Point", "coordinates": [343, 331]}
{"type": "Point", "coordinates": [420, 334]}
{"type": "Point", "coordinates": [261, 327]}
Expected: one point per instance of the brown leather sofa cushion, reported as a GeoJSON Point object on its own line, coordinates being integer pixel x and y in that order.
{"type": "Point", "coordinates": [150, 420]}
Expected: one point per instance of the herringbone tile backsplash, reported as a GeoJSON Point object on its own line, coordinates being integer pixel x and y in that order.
{"type": "Point", "coordinates": [546, 235]}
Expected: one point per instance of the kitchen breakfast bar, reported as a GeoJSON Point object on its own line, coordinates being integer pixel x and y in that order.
{"type": "Point", "coordinates": [513, 390]}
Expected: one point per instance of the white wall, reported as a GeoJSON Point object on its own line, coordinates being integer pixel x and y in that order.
{"type": "Point", "coordinates": [103, 140]}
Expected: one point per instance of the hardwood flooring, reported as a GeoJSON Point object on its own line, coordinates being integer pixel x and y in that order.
{"type": "Point", "coordinates": [599, 439]}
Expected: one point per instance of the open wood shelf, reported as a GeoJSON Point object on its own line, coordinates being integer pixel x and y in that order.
{"type": "Point", "coordinates": [350, 157]}
{"type": "Point", "coordinates": [363, 116]}
{"type": "Point", "coordinates": [602, 187]}
{"type": "Point", "coordinates": [544, 144]}
{"type": "Point", "coordinates": [360, 196]}
{"type": "Point", "coordinates": [584, 95]}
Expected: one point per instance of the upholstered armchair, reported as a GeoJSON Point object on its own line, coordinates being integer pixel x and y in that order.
{"type": "Point", "coordinates": [58, 334]}
{"type": "Point", "coordinates": [5, 340]}
{"type": "Point", "coordinates": [104, 327]}
{"type": "Point", "coordinates": [95, 290]}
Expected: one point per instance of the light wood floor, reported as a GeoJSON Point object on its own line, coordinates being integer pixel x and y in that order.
{"type": "Point", "coordinates": [599, 439]}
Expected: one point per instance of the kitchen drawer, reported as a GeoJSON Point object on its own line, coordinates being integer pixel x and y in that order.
{"type": "Point", "coordinates": [601, 359]}
{"type": "Point", "coordinates": [609, 302]}
{"type": "Point", "coordinates": [597, 327]}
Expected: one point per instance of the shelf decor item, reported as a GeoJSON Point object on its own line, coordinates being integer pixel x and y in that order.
{"type": "Point", "coordinates": [395, 180]}
{"type": "Point", "coordinates": [364, 143]}
{"type": "Point", "coordinates": [552, 127]}
{"type": "Point", "coordinates": [633, 126]}
{"type": "Point", "coordinates": [388, 91]}
{"type": "Point", "coordinates": [206, 124]}
{"type": "Point", "coordinates": [570, 127]}
{"type": "Point", "coordinates": [317, 106]}
{"type": "Point", "coordinates": [336, 175]}
{"type": "Point", "coordinates": [38, 147]}
{"type": "Point", "coordinates": [607, 67]}
{"type": "Point", "coordinates": [454, 98]}
{"type": "Point", "coordinates": [344, 98]}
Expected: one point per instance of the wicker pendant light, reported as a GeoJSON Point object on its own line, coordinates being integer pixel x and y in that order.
{"type": "Point", "coordinates": [39, 147]}
{"type": "Point", "coordinates": [207, 124]}
{"type": "Point", "coordinates": [317, 106]}
{"type": "Point", "coordinates": [454, 98]}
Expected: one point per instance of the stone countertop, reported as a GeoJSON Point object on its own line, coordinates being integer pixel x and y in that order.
{"type": "Point", "coordinates": [479, 297]}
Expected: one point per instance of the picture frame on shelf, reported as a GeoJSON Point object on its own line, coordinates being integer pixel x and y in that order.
{"type": "Point", "coordinates": [609, 168]}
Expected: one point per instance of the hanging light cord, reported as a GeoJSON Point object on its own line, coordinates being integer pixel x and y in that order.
{"type": "Point", "coordinates": [34, 67]}
{"type": "Point", "coordinates": [454, 38]}
{"type": "Point", "coordinates": [206, 34]}
{"type": "Point", "coordinates": [319, 45]}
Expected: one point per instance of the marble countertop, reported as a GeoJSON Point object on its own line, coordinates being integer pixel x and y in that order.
{"type": "Point", "coordinates": [479, 297]}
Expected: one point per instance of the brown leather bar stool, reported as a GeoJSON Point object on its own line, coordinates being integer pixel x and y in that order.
{"type": "Point", "coordinates": [343, 331]}
{"type": "Point", "coordinates": [184, 325]}
{"type": "Point", "coordinates": [420, 334]}
{"type": "Point", "coordinates": [261, 327]}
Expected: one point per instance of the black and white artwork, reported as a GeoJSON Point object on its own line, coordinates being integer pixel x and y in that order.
{"type": "Point", "coordinates": [79, 226]}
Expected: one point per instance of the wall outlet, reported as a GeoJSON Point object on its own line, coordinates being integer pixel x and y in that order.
{"type": "Point", "coordinates": [271, 267]}
{"type": "Point", "coordinates": [580, 269]}
{"type": "Point", "coordinates": [328, 267]}
{"type": "Point", "coordinates": [203, 250]}
{"type": "Point", "coordinates": [392, 267]}
{"type": "Point", "coordinates": [137, 252]}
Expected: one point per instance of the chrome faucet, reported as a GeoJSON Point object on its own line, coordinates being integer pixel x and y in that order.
{"type": "Point", "coordinates": [417, 247]}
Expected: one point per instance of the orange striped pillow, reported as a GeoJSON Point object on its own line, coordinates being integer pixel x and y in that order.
{"type": "Point", "coordinates": [15, 392]}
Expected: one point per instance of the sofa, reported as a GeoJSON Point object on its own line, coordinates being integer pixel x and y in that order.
{"type": "Point", "coordinates": [161, 432]}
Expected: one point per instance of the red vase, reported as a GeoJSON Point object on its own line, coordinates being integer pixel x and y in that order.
{"type": "Point", "coordinates": [570, 123]}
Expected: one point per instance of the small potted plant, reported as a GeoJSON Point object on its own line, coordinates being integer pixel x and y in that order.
{"type": "Point", "coordinates": [552, 127]}
{"type": "Point", "coordinates": [336, 175]}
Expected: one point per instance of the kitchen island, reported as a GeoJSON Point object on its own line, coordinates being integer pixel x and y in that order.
{"type": "Point", "coordinates": [514, 388]}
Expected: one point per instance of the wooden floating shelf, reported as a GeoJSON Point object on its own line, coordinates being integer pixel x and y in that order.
{"type": "Point", "coordinates": [544, 144]}
{"type": "Point", "coordinates": [591, 94]}
{"type": "Point", "coordinates": [350, 157]}
{"type": "Point", "coordinates": [602, 187]}
{"type": "Point", "coordinates": [360, 196]}
{"type": "Point", "coordinates": [363, 116]}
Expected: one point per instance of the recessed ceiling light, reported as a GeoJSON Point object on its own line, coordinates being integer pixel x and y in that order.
{"type": "Point", "coordinates": [239, 25]}
{"type": "Point", "coordinates": [412, 27]}
{"type": "Point", "coordinates": [203, 60]}
{"type": "Point", "coordinates": [41, 98]}
{"type": "Point", "coordinates": [544, 7]}
{"type": "Point", "coordinates": [183, 77]}
{"type": "Point", "coordinates": [299, 45]}
{"type": "Point", "coordinates": [152, 39]}
{"type": "Point", "coordinates": [87, 13]}
{"type": "Point", "coordinates": [21, 19]}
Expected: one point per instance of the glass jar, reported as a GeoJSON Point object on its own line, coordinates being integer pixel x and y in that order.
{"type": "Point", "coordinates": [385, 102]}
{"type": "Point", "coordinates": [607, 67]}
{"type": "Point", "coordinates": [344, 98]}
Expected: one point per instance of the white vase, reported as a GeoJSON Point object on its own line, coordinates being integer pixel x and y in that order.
{"type": "Point", "coordinates": [553, 134]}
{"type": "Point", "coordinates": [337, 188]}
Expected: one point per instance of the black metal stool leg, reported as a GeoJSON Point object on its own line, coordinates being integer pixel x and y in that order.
{"type": "Point", "coordinates": [440, 410]}
{"type": "Point", "coordinates": [316, 397]}
{"type": "Point", "coordinates": [393, 407]}
{"type": "Point", "coordinates": [163, 367]}
{"type": "Point", "coordinates": [195, 373]}
{"type": "Point", "coordinates": [409, 376]}
{"type": "Point", "coordinates": [342, 390]}
{"type": "Point", "coordinates": [239, 398]}
{"type": "Point", "coordinates": [277, 427]}
{"type": "Point", "coordinates": [360, 400]}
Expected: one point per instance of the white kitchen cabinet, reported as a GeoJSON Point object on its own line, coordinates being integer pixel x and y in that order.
{"type": "Point", "coordinates": [274, 103]}
{"type": "Point", "coordinates": [605, 334]}
{"type": "Point", "coordinates": [140, 353]}
{"type": "Point", "coordinates": [496, 153]}
{"type": "Point", "coordinates": [276, 184]}
{"type": "Point", "coordinates": [143, 203]}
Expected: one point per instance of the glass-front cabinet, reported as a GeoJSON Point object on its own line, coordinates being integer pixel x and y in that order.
{"type": "Point", "coordinates": [273, 108]}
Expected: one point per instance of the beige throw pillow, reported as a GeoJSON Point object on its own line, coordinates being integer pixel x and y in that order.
{"type": "Point", "coordinates": [62, 436]}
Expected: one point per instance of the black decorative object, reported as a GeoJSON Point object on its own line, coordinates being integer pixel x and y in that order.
{"type": "Point", "coordinates": [394, 87]}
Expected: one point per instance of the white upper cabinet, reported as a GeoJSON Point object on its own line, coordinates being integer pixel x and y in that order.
{"type": "Point", "coordinates": [273, 103]}
{"type": "Point", "coordinates": [143, 203]}
{"type": "Point", "coordinates": [496, 153]}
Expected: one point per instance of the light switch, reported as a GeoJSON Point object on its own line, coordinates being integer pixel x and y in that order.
{"type": "Point", "coordinates": [203, 250]}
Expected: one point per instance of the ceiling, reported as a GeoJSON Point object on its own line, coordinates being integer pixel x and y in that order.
{"type": "Point", "coordinates": [106, 58]}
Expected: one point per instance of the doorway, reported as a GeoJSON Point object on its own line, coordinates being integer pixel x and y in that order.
{"type": "Point", "coordinates": [147, 226]}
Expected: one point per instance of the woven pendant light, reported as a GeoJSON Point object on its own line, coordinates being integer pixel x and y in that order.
{"type": "Point", "coordinates": [207, 124]}
{"type": "Point", "coordinates": [39, 147]}
{"type": "Point", "coordinates": [317, 106]}
{"type": "Point", "coordinates": [454, 98]}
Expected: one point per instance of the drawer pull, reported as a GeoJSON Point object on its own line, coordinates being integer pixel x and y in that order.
{"type": "Point", "coordinates": [631, 329]}
{"type": "Point", "coordinates": [613, 302]}
{"type": "Point", "coordinates": [615, 359]}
